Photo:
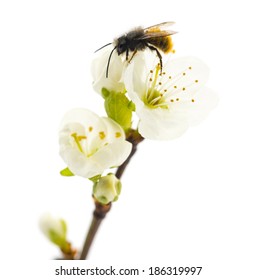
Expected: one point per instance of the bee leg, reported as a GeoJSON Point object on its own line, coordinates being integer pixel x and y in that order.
{"type": "Point", "coordinates": [127, 54]}
{"type": "Point", "coordinates": [133, 54]}
{"type": "Point", "coordinates": [158, 55]}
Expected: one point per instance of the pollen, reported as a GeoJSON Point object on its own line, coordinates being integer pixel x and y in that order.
{"type": "Point", "coordinates": [183, 73]}
{"type": "Point", "coordinates": [118, 134]}
{"type": "Point", "coordinates": [150, 80]}
{"type": "Point", "coordinates": [102, 135]}
{"type": "Point", "coordinates": [192, 100]}
{"type": "Point", "coordinates": [90, 128]}
{"type": "Point", "coordinates": [160, 83]}
{"type": "Point", "coordinates": [172, 100]}
{"type": "Point", "coordinates": [170, 77]}
{"type": "Point", "coordinates": [151, 71]}
{"type": "Point", "coordinates": [175, 86]}
{"type": "Point", "coordinates": [177, 99]}
{"type": "Point", "coordinates": [190, 67]}
{"type": "Point", "coordinates": [183, 88]}
{"type": "Point", "coordinates": [164, 73]}
{"type": "Point", "coordinates": [196, 81]}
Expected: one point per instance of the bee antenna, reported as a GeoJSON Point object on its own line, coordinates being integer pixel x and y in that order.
{"type": "Point", "coordinates": [103, 47]}
{"type": "Point", "coordinates": [109, 61]}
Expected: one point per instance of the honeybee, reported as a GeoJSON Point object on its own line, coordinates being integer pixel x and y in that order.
{"type": "Point", "coordinates": [155, 38]}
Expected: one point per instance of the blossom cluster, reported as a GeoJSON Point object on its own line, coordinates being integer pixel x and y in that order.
{"type": "Point", "coordinates": [156, 101]}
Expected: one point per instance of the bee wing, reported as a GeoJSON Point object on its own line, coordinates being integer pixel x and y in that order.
{"type": "Point", "coordinates": [157, 34]}
{"type": "Point", "coordinates": [162, 25]}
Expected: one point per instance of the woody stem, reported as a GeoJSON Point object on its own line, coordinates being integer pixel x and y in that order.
{"type": "Point", "coordinates": [100, 209]}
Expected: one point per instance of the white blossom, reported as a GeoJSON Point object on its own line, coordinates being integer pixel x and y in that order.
{"type": "Point", "coordinates": [168, 101]}
{"type": "Point", "coordinates": [89, 144]}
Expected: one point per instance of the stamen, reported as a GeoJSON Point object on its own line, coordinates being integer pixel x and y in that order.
{"type": "Point", "coordinates": [153, 86]}
{"type": "Point", "coordinates": [77, 140]}
{"type": "Point", "coordinates": [102, 135]}
{"type": "Point", "coordinates": [82, 137]}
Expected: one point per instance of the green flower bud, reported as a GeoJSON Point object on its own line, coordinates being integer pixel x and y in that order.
{"type": "Point", "coordinates": [55, 230]}
{"type": "Point", "coordinates": [119, 108]}
{"type": "Point", "coordinates": [107, 189]}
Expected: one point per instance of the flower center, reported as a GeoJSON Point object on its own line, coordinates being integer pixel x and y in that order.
{"type": "Point", "coordinates": [164, 90]}
{"type": "Point", "coordinates": [154, 98]}
{"type": "Point", "coordinates": [90, 143]}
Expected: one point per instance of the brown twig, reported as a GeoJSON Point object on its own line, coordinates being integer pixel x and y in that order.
{"type": "Point", "coordinates": [101, 210]}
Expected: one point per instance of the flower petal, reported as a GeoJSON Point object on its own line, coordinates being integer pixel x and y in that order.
{"type": "Point", "coordinates": [99, 67]}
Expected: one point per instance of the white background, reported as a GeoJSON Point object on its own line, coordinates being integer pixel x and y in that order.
{"type": "Point", "coordinates": [190, 201]}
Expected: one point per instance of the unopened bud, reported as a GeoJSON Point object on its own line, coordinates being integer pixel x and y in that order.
{"type": "Point", "coordinates": [107, 189]}
{"type": "Point", "coordinates": [55, 230]}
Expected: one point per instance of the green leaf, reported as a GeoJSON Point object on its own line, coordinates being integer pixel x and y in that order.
{"type": "Point", "coordinates": [66, 172]}
{"type": "Point", "coordinates": [118, 107]}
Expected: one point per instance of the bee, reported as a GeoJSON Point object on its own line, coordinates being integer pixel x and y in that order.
{"type": "Point", "coordinates": [155, 38]}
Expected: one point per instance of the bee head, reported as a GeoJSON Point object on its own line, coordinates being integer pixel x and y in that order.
{"type": "Point", "coordinates": [121, 45]}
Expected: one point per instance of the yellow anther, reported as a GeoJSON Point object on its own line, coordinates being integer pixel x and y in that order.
{"type": "Point", "coordinates": [102, 135]}
{"type": "Point", "coordinates": [118, 134]}
{"type": "Point", "coordinates": [90, 128]}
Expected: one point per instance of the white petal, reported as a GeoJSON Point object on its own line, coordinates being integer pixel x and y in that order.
{"type": "Point", "coordinates": [161, 124]}
{"type": "Point", "coordinates": [79, 164]}
{"type": "Point", "coordinates": [99, 67]}
{"type": "Point", "coordinates": [82, 116]}
{"type": "Point", "coordinates": [185, 71]}
{"type": "Point", "coordinates": [113, 154]}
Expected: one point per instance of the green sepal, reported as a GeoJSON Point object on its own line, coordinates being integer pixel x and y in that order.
{"type": "Point", "coordinates": [118, 108]}
{"type": "Point", "coordinates": [95, 179]}
{"type": "Point", "coordinates": [105, 93]}
{"type": "Point", "coordinates": [131, 106]}
{"type": "Point", "coordinates": [66, 172]}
